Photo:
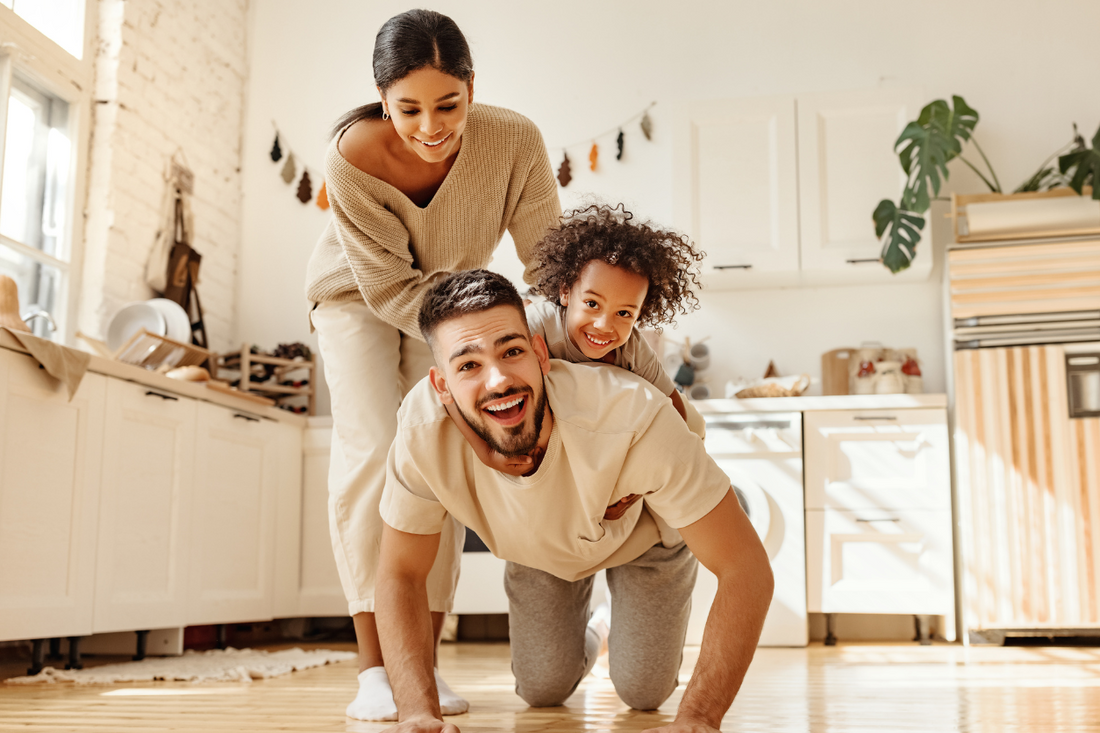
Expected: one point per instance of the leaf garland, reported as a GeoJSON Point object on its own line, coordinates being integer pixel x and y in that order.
{"type": "Point", "coordinates": [565, 172]}
{"type": "Point", "coordinates": [289, 172]}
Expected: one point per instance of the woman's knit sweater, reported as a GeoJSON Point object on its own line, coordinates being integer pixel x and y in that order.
{"type": "Point", "coordinates": [383, 248]}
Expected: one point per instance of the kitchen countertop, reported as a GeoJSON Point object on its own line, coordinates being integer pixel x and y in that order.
{"type": "Point", "coordinates": [821, 402]}
{"type": "Point", "coordinates": [195, 390]}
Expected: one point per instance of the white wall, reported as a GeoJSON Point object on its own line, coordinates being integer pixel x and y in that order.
{"type": "Point", "coordinates": [578, 68]}
{"type": "Point", "coordinates": [170, 75]}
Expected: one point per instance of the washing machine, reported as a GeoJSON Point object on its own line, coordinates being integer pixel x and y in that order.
{"type": "Point", "coordinates": [762, 455]}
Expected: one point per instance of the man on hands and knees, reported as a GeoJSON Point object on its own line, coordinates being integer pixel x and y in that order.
{"type": "Point", "coordinates": [618, 483]}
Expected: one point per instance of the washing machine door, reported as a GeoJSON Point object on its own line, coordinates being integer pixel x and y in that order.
{"type": "Point", "coordinates": [753, 499]}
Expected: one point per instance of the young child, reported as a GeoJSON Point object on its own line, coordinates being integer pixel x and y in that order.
{"type": "Point", "coordinates": [604, 275]}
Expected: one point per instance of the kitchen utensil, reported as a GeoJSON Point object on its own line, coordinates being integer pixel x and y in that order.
{"type": "Point", "coordinates": [132, 319]}
{"type": "Point", "coordinates": [699, 357]}
{"type": "Point", "coordinates": [834, 371]}
{"type": "Point", "coordinates": [177, 322]}
{"type": "Point", "coordinates": [9, 305]}
{"type": "Point", "coordinates": [888, 378]}
{"type": "Point", "coordinates": [699, 392]}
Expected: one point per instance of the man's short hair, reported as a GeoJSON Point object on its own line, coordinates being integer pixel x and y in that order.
{"type": "Point", "coordinates": [463, 293]}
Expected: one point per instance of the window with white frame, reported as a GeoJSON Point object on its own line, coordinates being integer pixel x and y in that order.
{"type": "Point", "coordinates": [44, 116]}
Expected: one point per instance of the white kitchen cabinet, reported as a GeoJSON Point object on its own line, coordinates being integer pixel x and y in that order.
{"type": "Point", "coordinates": [846, 165]}
{"type": "Point", "coordinates": [877, 459]}
{"type": "Point", "coordinates": [288, 521]}
{"type": "Point", "coordinates": [145, 509]}
{"type": "Point", "coordinates": [879, 562]}
{"type": "Point", "coordinates": [233, 517]}
{"type": "Point", "coordinates": [50, 453]}
{"type": "Point", "coordinates": [779, 191]}
{"type": "Point", "coordinates": [320, 592]}
{"type": "Point", "coordinates": [878, 513]}
{"type": "Point", "coordinates": [737, 186]}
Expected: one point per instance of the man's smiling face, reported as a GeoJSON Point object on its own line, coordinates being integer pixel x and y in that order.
{"type": "Point", "coordinates": [491, 369]}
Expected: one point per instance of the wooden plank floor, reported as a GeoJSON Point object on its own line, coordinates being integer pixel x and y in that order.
{"type": "Point", "coordinates": [861, 687]}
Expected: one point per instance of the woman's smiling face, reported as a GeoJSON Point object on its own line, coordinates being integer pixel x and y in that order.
{"type": "Point", "coordinates": [602, 307]}
{"type": "Point", "coordinates": [428, 109]}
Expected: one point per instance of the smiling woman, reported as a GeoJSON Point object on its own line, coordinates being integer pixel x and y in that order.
{"type": "Point", "coordinates": [422, 183]}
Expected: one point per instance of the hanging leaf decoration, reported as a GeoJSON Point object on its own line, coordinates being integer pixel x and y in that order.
{"type": "Point", "coordinates": [289, 169]}
{"type": "Point", "coordinates": [276, 151]}
{"type": "Point", "coordinates": [619, 143]}
{"type": "Point", "coordinates": [593, 157]}
{"type": "Point", "coordinates": [565, 173]}
{"type": "Point", "coordinates": [305, 189]}
{"type": "Point", "coordinates": [905, 228]}
{"type": "Point", "coordinates": [322, 197]}
{"type": "Point", "coordinates": [647, 126]}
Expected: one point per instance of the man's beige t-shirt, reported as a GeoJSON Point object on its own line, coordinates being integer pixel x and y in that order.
{"type": "Point", "coordinates": [614, 435]}
{"type": "Point", "coordinates": [548, 320]}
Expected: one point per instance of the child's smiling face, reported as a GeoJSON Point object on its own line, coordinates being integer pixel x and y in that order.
{"type": "Point", "coordinates": [602, 306]}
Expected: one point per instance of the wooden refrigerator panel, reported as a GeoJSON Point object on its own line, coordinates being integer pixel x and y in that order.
{"type": "Point", "coordinates": [1022, 279]}
{"type": "Point", "coordinates": [1029, 492]}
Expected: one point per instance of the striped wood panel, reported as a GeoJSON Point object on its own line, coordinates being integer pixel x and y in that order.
{"type": "Point", "coordinates": [1030, 278]}
{"type": "Point", "coordinates": [1029, 492]}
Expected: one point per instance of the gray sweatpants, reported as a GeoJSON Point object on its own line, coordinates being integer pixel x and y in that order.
{"type": "Point", "coordinates": [552, 649]}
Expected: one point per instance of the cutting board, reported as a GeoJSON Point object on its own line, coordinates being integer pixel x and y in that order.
{"type": "Point", "coordinates": [834, 371]}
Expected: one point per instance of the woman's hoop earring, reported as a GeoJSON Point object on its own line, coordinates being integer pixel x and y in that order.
{"type": "Point", "coordinates": [385, 115]}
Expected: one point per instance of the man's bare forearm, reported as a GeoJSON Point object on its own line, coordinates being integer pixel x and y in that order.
{"type": "Point", "coordinates": [408, 646]}
{"type": "Point", "coordinates": [729, 642]}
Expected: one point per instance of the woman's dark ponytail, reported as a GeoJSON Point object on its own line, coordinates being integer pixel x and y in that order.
{"type": "Point", "coordinates": [410, 41]}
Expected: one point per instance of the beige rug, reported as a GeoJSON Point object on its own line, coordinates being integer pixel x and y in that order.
{"type": "Point", "coordinates": [228, 665]}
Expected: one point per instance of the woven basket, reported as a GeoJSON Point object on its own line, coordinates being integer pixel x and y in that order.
{"type": "Point", "coordinates": [774, 389]}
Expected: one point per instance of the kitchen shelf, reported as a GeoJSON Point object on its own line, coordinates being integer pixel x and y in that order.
{"type": "Point", "coordinates": [250, 372]}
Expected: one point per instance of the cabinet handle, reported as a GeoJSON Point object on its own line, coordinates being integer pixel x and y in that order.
{"type": "Point", "coordinates": [246, 417]}
{"type": "Point", "coordinates": [863, 261]}
{"type": "Point", "coordinates": [167, 397]}
{"type": "Point", "coordinates": [733, 267]}
{"type": "Point", "coordinates": [874, 417]}
{"type": "Point", "coordinates": [884, 519]}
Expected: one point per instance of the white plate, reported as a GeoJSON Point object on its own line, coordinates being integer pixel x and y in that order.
{"type": "Point", "coordinates": [175, 318]}
{"type": "Point", "coordinates": [131, 319]}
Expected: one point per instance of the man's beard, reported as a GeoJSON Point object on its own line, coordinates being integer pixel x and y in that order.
{"type": "Point", "coordinates": [518, 440]}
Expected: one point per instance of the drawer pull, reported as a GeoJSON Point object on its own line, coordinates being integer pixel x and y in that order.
{"type": "Point", "coordinates": [246, 417]}
{"type": "Point", "coordinates": [733, 267]}
{"type": "Point", "coordinates": [884, 519]}
{"type": "Point", "coordinates": [875, 417]}
{"type": "Point", "coordinates": [166, 397]}
{"type": "Point", "coordinates": [863, 260]}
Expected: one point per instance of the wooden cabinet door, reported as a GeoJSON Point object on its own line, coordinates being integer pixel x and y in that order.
{"type": "Point", "coordinates": [879, 562]}
{"type": "Point", "coordinates": [736, 188]}
{"type": "Point", "coordinates": [846, 165]}
{"type": "Point", "coordinates": [877, 459]}
{"type": "Point", "coordinates": [232, 520]}
{"type": "Point", "coordinates": [50, 451]}
{"type": "Point", "coordinates": [320, 592]}
{"type": "Point", "coordinates": [288, 521]}
{"type": "Point", "coordinates": [1028, 480]}
{"type": "Point", "coordinates": [145, 507]}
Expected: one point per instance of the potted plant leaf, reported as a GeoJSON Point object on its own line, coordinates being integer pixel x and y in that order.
{"type": "Point", "coordinates": [938, 136]}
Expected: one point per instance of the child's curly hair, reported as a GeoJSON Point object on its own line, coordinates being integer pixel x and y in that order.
{"type": "Point", "coordinates": [600, 232]}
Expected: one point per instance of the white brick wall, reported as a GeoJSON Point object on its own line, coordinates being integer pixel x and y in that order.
{"type": "Point", "coordinates": [170, 74]}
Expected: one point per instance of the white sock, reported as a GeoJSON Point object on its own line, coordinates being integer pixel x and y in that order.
{"type": "Point", "coordinates": [375, 698]}
{"type": "Point", "coordinates": [449, 702]}
{"type": "Point", "coordinates": [600, 622]}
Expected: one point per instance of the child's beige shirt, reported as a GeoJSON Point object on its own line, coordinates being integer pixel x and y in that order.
{"type": "Point", "coordinates": [614, 434]}
{"type": "Point", "coordinates": [548, 320]}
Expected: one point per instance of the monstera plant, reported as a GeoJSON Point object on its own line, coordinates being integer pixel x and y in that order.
{"type": "Point", "coordinates": [935, 138]}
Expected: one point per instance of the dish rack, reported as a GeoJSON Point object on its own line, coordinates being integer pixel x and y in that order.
{"type": "Point", "coordinates": [152, 351]}
{"type": "Point", "coordinates": [282, 380]}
